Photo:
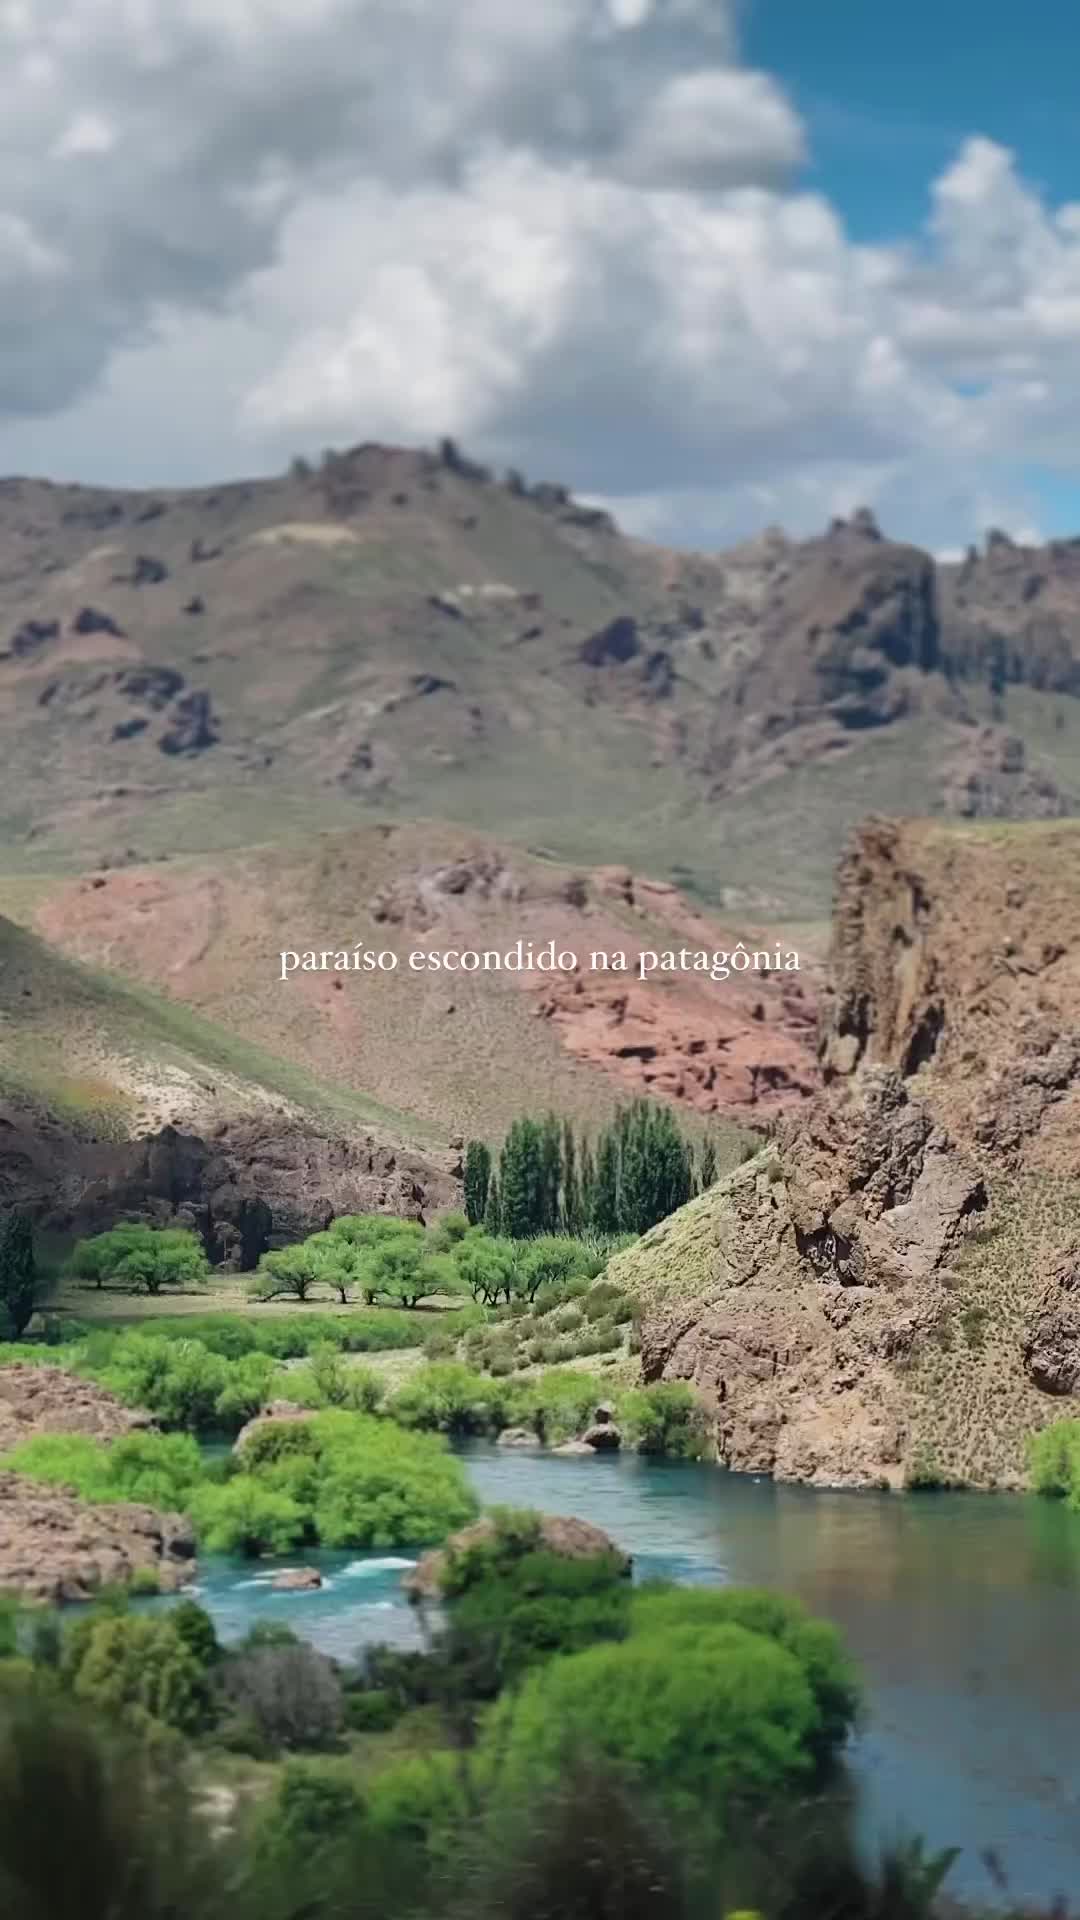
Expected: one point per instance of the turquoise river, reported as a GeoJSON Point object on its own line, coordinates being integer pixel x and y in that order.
{"type": "Point", "coordinates": [962, 1610]}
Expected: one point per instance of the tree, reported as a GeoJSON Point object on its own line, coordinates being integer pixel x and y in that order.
{"type": "Point", "coordinates": [292, 1270]}
{"type": "Point", "coordinates": [137, 1256]}
{"type": "Point", "coordinates": [604, 1207]}
{"type": "Point", "coordinates": [707, 1166]}
{"type": "Point", "coordinates": [493, 1207]}
{"type": "Point", "coordinates": [488, 1266]}
{"type": "Point", "coordinates": [546, 1213]}
{"type": "Point", "coordinates": [290, 1696]}
{"type": "Point", "coordinates": [18, 1274]}
{"type": "Point", "coordinates": [511, 1603]}
{"type": "Point", "coordinates": [139, 1668]}
{"type": "Point", "coordinates": [477, 1180]}
{"type": "Point", "coordinates": [573, 1216]}
{"type": "Point", "coordinates": [523, 1177]}
{"type": "Point", "coordinates": [401, 1269]}
{"type": "Point", "coordinates": [551, 1260]}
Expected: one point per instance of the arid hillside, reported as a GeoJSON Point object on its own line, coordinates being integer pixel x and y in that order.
{"type": "Point", "coordinates": [111, 1099]}
{"type": "Point", "coordinates": [399, 635]}
{"type": "Point", "coordinates": [463, 1051]}
{"type": "Point", "coordinates": [888, 1292]}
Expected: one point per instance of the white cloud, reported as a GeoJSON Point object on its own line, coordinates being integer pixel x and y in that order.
{"type": "Point", "coordinates": [567, 233]}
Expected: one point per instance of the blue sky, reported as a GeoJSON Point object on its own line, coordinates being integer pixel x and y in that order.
{"type": "Point", "coordinates": [888, 94]}
{"type": "Point", "coordinates": [715, 262]}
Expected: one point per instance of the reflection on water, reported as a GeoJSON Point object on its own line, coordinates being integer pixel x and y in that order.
{"type": "Point", "coordinates": [962, 1610]}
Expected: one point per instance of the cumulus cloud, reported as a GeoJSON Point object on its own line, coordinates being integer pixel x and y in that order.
{"type": "Point", "coordinates": [572, 234]}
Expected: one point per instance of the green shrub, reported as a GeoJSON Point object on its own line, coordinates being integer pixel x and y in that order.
{"type": "Point", "coordinates": [1054, 1461]}
{"type": "Point", "coordinates": [244, 1517]}
{"type": "Point", "coordinates": [448, 1397]}
{"type": "Point", "coordinates": [511, 1603]}
{"type": "Point", "coordinates": [138, 1668]}
{"type": "Point", "coordinates": [665, 1418]}
{"type": "Point", "coordinates": [381, 1487]}
{"type": "Point", "coordinates": [815, 1644]}
{"type": "Point", "coordinates": [178, 1380]}
{"type": "Point", "coordinates": [153, 1469]}
{"type": "Point", "coordinates": [372, 1710]}
{"type": "Point", "coordinates": [704, 1716]}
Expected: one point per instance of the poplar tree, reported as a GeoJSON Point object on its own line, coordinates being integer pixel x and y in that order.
{"type": "Point", "coordinates": [18, 1273]}
{"type": "Point", "coordinates": [477, 1181]}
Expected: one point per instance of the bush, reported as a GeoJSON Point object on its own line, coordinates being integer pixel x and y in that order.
{"type": "Point", "coordinates": [815, 1644]}
{"type": "Point", "coordinates": [287, 1696]}
{"type": "Point", "coordinates": [704, 1716]}
{"type": "Point", "coordinates": [665, 1418]}
{"type": "Point", "coordinates": [314, 1803]}
{"type": "Point", "coordinates": [447, 1397]}
{"type": "Point", "coordinates": [244, 1517]}
{"type": "Point", "coordinates": [178, 1380]}
{"type": "Point", "coordinates": [379, 1487]}
{"type": "Point", "coordinates": [371, 1711]}
{"type": "Point", "coordinates": [1054, 1461]}
{"type": "Point", "coordinates": [511, 1603]}
{"type": "Point", "coordinates": [138, 1668]}
{"type": "Point", "coordinates": [95, 1824]}
{"type": "Point", "coordinates": [155, 1469]}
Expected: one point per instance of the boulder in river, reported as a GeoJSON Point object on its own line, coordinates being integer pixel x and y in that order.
{"type": "Point", "coordinates": [572, 1539]}
{"type": "Point", "coordinates": [276, 1410]}
{"type": "Point", "coordinates": [297, 1580]}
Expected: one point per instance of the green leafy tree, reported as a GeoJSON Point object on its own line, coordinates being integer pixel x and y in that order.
{"type": "Point", "coordinates": [381, 1487]}
{"type": "Point", "coordinates": [18, 1273]}
{"type": "Point", "coordinates": [707, 1165]}
{"type": "Point", "coordinates": [551, 1260]}
{"type": "Point", "coordinates": [511, 1603]}
{"type": "Point", "coordinates": [1054, 1461]}
{"type": "Point", "coordinates": [139, 1668]}
{"type": "Point", "coordinates": [487, 1266]}
{"type": "Point", "coordinates": [477, 1180]}
{"type": "Point", "coordinates": [178, 1380]}
{"type": "Point", "coordinates": [296, 1271]}
{"type": "Point", "coordinates": [815, 1644]}
{"type": "Point", "coordinates": [140, 1257]}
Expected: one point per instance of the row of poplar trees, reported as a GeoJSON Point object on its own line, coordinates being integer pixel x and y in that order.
{"type": "Point", "coordinates": [551, 1179]}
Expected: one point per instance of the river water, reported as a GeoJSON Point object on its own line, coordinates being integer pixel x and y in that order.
{"type": "Point", "coordinates": [962, 1610]}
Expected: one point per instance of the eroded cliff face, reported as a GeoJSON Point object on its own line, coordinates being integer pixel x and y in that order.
{"type": "Point", "coordinates": [248, 1185]}
{"type": "Point", "coordinates": [887, 1293]}
{"type": "Point", "coordinates": [956, 960]}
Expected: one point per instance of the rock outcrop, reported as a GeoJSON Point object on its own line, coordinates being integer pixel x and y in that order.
{"type": "Point", "coordinates": [882, 1294]}
{"type": "Point", "coordinates": [249, 1184]}
{"type": "Point", "coordinates": [271, 1415]}
{"type": "Point", "coordinates": [55, 1547]}
{"type": "Point", "coordinates": [1052, 1338]}
{"type": "Point", "coordinates": [825, 1265]}
{"type": "Point", "coordinates": [573, 1539]}
{"type": "Point", "coordinates": [49, 1400]}
{"type": "Point", "coordinates": [956, 956]}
